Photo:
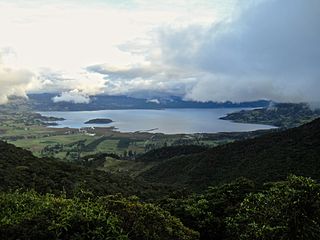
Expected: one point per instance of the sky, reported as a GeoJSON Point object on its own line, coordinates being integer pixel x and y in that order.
{"type": "Point", "coordinates": [238, 50]}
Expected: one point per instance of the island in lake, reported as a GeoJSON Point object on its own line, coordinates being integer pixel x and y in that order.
{"type": "Point", "coordinates": [99, 121]}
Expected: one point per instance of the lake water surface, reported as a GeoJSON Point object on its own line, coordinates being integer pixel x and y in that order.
{"type": "Point", "coordinates": [169, 121]}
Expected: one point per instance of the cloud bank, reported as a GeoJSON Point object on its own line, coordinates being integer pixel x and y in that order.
{"type": "Point", "coordinates": [74, 87]}
{"type": "Point", "coordinates": [270, 50]}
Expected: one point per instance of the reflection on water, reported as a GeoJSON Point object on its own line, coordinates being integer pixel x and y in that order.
{"type": "Point", "coordinates": [164, 121]}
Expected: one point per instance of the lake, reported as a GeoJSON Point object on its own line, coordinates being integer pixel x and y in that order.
{"type": "Point", "coordinates": [169, 121]}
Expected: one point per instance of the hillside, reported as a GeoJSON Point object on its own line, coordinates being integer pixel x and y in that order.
{"type": "Point", "coordinates": [285, 115]}
{"type": "Point", "coordinates": [270, 157]}
{"type": "Point", "coordinates": [20, 169]}
{"type": "Point", "coordinates": [169, 152]}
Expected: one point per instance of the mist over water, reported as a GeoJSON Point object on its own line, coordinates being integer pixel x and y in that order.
{"type": "Point", "coordinates": [168, 121]}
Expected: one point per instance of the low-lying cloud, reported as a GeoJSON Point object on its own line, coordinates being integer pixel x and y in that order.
{"type": "Point", "coordinates": [74, 96]}
{"type": "Point", "coordinates": [13, 81]}
{"type": "Point", "coordinates": [76, 88]}
{"type": "Point", "coordinates": [145, 80]}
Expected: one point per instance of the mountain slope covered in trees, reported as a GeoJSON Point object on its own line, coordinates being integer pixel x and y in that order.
{"type": "Point", "coordinates": [270, 157]}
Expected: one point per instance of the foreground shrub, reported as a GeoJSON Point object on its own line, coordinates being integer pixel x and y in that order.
{"type": "Point", "coordinates": [207, 212]}
{"type": "Point", "coordinates": [147, 221]}
{"type": "Point", "coordinates": [287, 210]}
{"type": "Point", "coordinates": [32, 216]}
{"type": "Point", "coordinates": [29, 215]}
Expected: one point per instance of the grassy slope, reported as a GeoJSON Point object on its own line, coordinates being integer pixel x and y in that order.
{"type": "Point", "coordinates": [267, 158]}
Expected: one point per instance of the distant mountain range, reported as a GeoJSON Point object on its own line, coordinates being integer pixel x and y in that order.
{"type": "Point", "coordinates": [44, 102]}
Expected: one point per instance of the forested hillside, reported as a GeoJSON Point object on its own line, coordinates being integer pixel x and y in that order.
{"type": "Point", "coordinates": [270, 157]}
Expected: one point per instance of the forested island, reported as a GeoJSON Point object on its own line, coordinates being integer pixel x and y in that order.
{"type": "Point", "coordinates": [99, 121]}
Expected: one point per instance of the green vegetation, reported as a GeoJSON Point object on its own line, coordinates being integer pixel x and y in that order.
{"type": "Point", "coordinates": [169, 152]}
{"type": "Point", "coordinates": [286, 210]}
{"type": "Point", "coordinates": [283, 210]}
{"type": "Point", "coordinates": [284, 115]}
{"type": "Point", "coordinates": [270, 157]}
{"type": "Point", "coordinates": [238, 210]}
{"type": "Point", "coordinates": [29, 215]}
{"type": "Point", "coordinates": [32, 216]}
{"type": "Point", "coordinates": [208, 212]}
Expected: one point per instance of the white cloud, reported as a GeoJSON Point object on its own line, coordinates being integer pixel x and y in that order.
{"type": "Point", "coordinates": [74, 96]}
{"type": "Point", "coordinates": [13, 81]}
{"type": "Point", "coordinates": [68, 35]}
{"type": "Point", "coordinates": [75, 87]}
{"type": "Point", "coordinates": [153, 101]}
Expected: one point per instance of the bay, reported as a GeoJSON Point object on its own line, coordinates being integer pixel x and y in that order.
{"type": "Point", "coordinates": [168, 121]}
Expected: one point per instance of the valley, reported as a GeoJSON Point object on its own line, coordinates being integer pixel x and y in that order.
{"type": "Point", "coordinates": [181, 180]}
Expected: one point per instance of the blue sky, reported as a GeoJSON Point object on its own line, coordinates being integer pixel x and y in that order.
{"type": "Point", "coordinates": [198, 49]}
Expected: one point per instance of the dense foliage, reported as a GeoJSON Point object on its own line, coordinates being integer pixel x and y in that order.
{"type": "Point", "coordinates": [29, 215]}
{"type": "Point", "coordinates": [207, 212]}
{"type": "Point", "coordinates": [283, 210]}
{"type": "Point", "coordinates": [238, 210]}
{"type": "Point", "coordinates": [32, 216]}
{"type": "Point", "coordinates": [287, 210]}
